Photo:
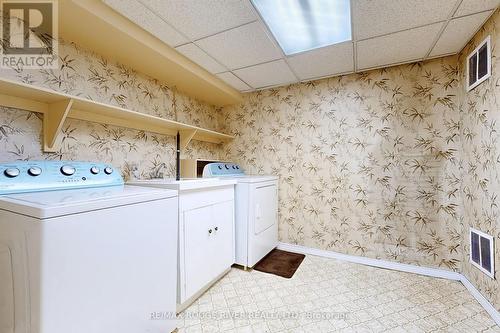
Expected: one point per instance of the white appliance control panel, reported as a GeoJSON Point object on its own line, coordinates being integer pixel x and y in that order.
{"type": "Point", "coordinates": [34, 176]}
{"type": "Point", "coordinates": [222, 170]}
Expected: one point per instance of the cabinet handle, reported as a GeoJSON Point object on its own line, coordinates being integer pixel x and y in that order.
{"type": "Point", "coordinates": [216, 228]}
{"type": "Point", "coordinates": [209, 231]}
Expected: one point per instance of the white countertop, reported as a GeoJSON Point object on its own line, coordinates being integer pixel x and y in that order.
{"type": "Point", "coordinates": [184, 184]}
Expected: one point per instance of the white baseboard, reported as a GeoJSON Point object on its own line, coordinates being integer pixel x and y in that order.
{"type": "Point", "coordinates": [481, 299]}
{"type": "Point", "coordinates": [434, 272]}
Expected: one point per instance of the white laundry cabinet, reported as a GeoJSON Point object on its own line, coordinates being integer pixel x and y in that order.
{"type": "Point", "coordinates": [206, 233]}
{"type": "Point", "coordinates": [206, 238]}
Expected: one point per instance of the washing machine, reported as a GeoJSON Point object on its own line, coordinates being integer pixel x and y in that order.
{"type": "Point", "coordinates": [256, 210]}
{"type": "Point", "coordinates": [82, 253]}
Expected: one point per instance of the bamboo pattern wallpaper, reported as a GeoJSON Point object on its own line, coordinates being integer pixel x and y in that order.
{"type": "Point", "coordinates": [393, 164]}
{"type": "Point", "coordinates": [368, 163]}
{"type": "Point", "coordinates": [480, 159]}
{"type": "Point", "coordinates": [136, 153]}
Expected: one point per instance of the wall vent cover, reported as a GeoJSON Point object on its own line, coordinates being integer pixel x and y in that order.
{"type": "Point", "coordinates": [481, 252]}
{"type": "Point", "coordinates": [479, 64]}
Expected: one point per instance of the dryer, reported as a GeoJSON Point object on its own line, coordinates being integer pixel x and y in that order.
{"type": "Point", "coordinates": [80, 252]}
{"type": "Point", "coordinates": [256, 210]}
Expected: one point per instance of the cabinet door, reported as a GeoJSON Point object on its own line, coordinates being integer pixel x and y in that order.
{"type": "Point", "coordinates": [198, 249]}
{"type": "Point", "coordinates": [223, 255]}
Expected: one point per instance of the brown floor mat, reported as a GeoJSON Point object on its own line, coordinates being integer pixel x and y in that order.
{"type": "Point", "coordinates": [281, 263]}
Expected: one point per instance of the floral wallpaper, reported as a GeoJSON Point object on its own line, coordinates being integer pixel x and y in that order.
{"type": "Point", "coordinates": [368, 163]}
{"type": "Point", "coordinates": [83, 73]}
{"type": "Point", "coordinates": [480, 159]}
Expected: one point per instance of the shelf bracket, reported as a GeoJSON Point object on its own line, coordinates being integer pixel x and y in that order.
{"type": "Point", "coordinates": [53, 121]}
{"type": "Point", "coordinates": [186, 137]}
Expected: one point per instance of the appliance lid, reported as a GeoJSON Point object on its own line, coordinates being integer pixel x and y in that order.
{"type": "Point", "coordinates": [64, 202]}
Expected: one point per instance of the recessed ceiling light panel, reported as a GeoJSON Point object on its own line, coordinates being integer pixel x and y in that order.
{"type": "Point", "coordinates": [302, 25]}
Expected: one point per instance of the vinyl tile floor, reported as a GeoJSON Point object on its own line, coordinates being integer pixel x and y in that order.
{"type": "Point", "coordinates": [328, 295]}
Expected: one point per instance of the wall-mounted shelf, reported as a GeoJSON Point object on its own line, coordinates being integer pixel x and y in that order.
{"type": "Point", "coordinates": [113, 36]}
{"type": "Point", "coordinates": [57, 107]}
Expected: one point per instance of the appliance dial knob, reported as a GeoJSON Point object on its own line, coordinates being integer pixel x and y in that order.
{"type": "Point", "coordinates": [94, 170]}
{"type": "Point", "coordinates": [227, 166]}
{"type": "Point", "coordinates": [220, 167]}
{"type": "Point", "coordinates": [108, 170]}
{"type": "Point", "coordinates": [237, 167]}
{"type": "Point", "coordinates": [34, 171]}
{"type": "Point", "coordinates": [67, 170]}
{"type": "Point", "coordinates": [234, 167]}
{"type": "Point", "coordinates": [11, 172]}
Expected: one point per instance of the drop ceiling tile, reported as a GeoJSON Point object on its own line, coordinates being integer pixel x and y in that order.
{"type": "Point", "coordinates": [396, 48]}
{"type": "Point", "coordinates": [325, 61]}
{"type": "Point", "coordinates": [147, 20]}
{"type": "Point", "coordinates": [378, 17]}
{"type": "Point", "coordinates": [268, 74]}
{"type": "Point", "coordinates": [241, 47]}
{"type": "Point", "coordinates": [200, 18]}
{"type": "Point", "coordinates": [197, 55]}
{"type": "Point", "coordinates": [474, 6]}
{"type": "Point", "coordinates": [233, 81]}
{"type": "Point", "coordinates": [458, 32]}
